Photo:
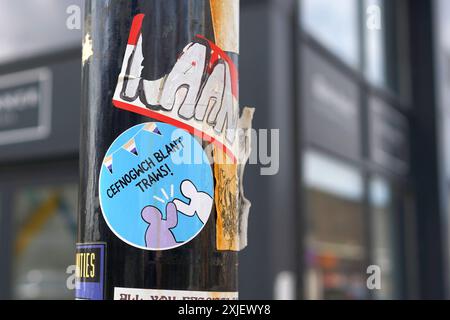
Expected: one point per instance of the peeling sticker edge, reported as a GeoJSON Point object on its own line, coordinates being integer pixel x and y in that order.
{"type": "Point", "coordinates": [87, 51]}
{"type": "Point", "coordinates": [245, 123]}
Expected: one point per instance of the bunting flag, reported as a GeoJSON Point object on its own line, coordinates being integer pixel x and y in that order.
{"type": "Point", "coordinates": [130, 146]}
{"type": "Point", "coordinates": [108, 163]}
{"type": "Point", "coordinates": [151, 127]}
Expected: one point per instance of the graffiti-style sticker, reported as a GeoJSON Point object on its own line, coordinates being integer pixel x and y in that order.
{"type": "Point", "coordinates": [152, 195]}
{"type": "Point", "coordinates": [90, 269]}
{"type": "Point", "coordinates": [153, 294]}
{"type": "Point", "coordinates": [199, 93]}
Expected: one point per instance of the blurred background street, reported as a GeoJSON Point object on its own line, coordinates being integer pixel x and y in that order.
{"type": "Point", "coordinates": [360, 93]}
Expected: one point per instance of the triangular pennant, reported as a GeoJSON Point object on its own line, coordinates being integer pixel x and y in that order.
{"type": "Point", "coordinates": [156, 130]}
{"type": "Point", "coordinates": [108, 163]}
{"type": "Point", "coordinates": [130, 146]}
{"type": "Point", "coordinates": [151, 127]}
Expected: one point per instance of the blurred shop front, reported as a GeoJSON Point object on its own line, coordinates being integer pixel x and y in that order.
{"type": "Point", "coordinates": [350, 84]}
{"type": "Point", "coordinates": [442, 57]}
{"type": "Point", "coordinates": [355, 136]}
{"type": "Point", "coordinates": [39, 136]}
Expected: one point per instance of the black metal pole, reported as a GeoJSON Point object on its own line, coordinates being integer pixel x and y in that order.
{"type": "Point", "coordinates": [137, 237]}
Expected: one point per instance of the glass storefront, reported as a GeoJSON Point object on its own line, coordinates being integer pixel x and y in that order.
{"type": "Point", "coordinates": [442, 27]}
{"type": "Point", "coordinates": [375, 48]}
{"type": "Point", "coordinates": [38, 176]}
{"type": "Point", "coordinates": [38, 227]}
{"type": "Point", "coordinates": [335, 25]}
{"type": "Point", "coordinates": [383, 222]}
{"type": "Point", "coordinates": [363, 34]}
{"type": "Point", "coordinates": [44, 234]}
{"type": "Point", "coordinates": [335, 241]}
{"type": "Point", "coordinates": [35, 27]}
{"type": "Point", "coordinates": [351, 204]}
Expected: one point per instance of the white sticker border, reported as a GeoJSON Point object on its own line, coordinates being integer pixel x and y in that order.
{"type": "Point", "coordinates": [157, 294]}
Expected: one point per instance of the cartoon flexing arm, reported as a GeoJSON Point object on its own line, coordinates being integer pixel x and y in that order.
{"type": "Point", "coordinates": [200, 202]}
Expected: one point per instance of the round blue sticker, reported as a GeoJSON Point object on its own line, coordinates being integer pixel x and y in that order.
{"type": "Point", "coordinates": [151, 195]}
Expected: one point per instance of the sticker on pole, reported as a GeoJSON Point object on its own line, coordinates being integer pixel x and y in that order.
{"type": "Point", "coordinates": [157, 294]}
{"type": "Point", "coordinates": [198, 90]}
{"type": "Point", "coordinates": [90, 271]}
{"type": "Point", "coordinates": [152, 195]}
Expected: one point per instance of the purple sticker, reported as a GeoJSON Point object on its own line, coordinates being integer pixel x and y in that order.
{"type": "Point", "coordinates": [90, 275]}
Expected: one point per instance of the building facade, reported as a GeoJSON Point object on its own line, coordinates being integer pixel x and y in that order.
{"type": "Point", "coordinates": [358, 92]}
{"type": "Point", "coordinates": [352, 87]}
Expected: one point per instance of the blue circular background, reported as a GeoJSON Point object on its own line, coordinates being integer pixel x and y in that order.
{"type": "Point", "coordinates": [123, 212]}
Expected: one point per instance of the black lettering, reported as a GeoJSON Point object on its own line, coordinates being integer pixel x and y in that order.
{"type": "Point", "coordinates": [169, 149]}
{"type": "Point", "coordinates": [150, 163]}
{"type": "Point", "coordinates": [109, 193]}
{"type": "Point", "coordinates": [123, 182]}
{"type": "Point", "coordinates": [163, 170]}
{"type": "Point", "coordinates": [158, 156]}
{"type": "Point", "coordinates": [146, 184]}
{"type": "Point", "coordinates": [117, 185]}
{"type": "Point", "coordinates": [139, 185]}
{"type": "Point", "coordinates": [151, 178]}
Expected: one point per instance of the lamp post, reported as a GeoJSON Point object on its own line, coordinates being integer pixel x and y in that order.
{"type": "Point", "coordinates": [159, 89]}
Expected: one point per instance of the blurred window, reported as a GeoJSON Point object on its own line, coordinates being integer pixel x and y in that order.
{"type": "Point", "coordinates": [368, 35]}
{"type": "Point", "coordinates": [335, 25]}
{"type": "Point", "coordinates": [443, 75]}
{"type": "Point", "coordinates": [442, 11]}
{"type": "Point", "coordinates": [385, 49]}
{"type": "Point", "coordinates": [30, 27]}
{"type": "Point", "coordinates": [335, 241]}
{"type": "Point", "coordinates": [375, 49]}
{"type": "Point", "coordinates": [43, 248]}
{"type": "Point", "coordinates": [384, 225]}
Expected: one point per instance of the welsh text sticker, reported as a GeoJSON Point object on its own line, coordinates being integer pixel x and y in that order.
{"type": "Point", "coordinates": [151, 194]}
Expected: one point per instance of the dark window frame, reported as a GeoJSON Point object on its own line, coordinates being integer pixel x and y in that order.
{"type": "Point", "coordinates": [364, 164]}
